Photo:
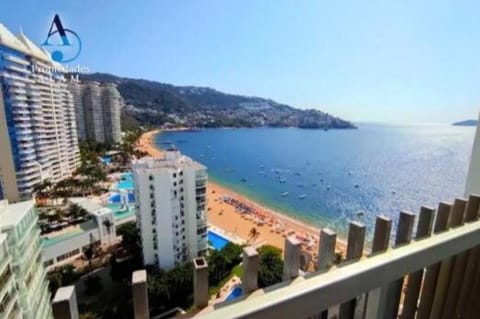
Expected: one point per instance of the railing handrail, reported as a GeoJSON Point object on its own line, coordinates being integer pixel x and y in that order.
{"type": "Point", "coordinates": [340, 284]}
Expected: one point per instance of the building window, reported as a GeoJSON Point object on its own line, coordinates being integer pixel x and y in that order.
{"type": "Point", "coordinates": [174, 175]}
{"type": "Point", "coordinates": [181, 173]}
{"type": "Point", "coordinates": [150, 177]}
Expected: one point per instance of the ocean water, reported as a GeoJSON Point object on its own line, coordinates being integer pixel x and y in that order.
{"type": "Point", "coordinates": [331, 176]}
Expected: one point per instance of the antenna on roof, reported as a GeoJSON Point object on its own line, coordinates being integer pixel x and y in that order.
{"type": "Point", "coordinates": [21, 30]}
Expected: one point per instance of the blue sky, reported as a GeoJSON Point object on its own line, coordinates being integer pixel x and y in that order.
{"type": "Point", "coordinates": [382, 61]}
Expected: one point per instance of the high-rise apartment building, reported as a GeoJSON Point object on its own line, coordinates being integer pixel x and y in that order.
{"type": "Point", "coordinates": [170, 198]}
{"type": "Point", "coordinates": [9, 304]}
{"type": "Point", "coordinates": [38, 134]}
{"type": "Point", "coordinates": [97, 106]}
{"type": "Point", "coordinates": [23, 285]}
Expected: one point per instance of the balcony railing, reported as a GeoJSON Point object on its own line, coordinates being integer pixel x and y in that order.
{"type": "Point", "coordinates": [422, 276]}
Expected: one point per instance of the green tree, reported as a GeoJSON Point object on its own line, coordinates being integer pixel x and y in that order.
{"type": "Point", "coordinates": [271, 266]}
{"type": "Point", "coordinates": [217, 267]}
{"type": "Point", "coordinates": [233, 253]}
{"type": "Point", "coordinates": [43, 190]}
{"type": "Point", "coordinates": [89, 252]}
{"type": "Point", "coordinates": [130, 238]}
{"type": "Point", "coordinates": [76, 211]}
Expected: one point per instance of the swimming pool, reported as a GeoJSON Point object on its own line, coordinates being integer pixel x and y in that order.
{"type": "Point", "coordinates": [125, 185]}
{"type": "Point", "coordinates": [117, 198]}
{"type": "Point", "coordinates": [126, 181]}
{"type": "Point", "coordinates": [217, 241]}
{"type": "Point", "coordinates": [234, 294]}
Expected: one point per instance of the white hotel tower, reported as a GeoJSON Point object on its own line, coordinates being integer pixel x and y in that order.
{"type": "Point", "coordinates": [170, 195]}
{"type": "Point", "coordinates": [23, 281]}
{"type": "Point", "coordinates": [97, 109]}
{"type": "Point", "coordinates": [38, 137]}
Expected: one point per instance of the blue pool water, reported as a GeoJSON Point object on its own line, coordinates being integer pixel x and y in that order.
{"type": "Point", "coordinates": [126, 181]}
{"type": "Point", "coordinates": [217, 241]}
{"type": "Point", "coordinates": [125, 185]}
{"type": "Point", "coordinates": [116, 198]}
{"type": "Point", "coordinates": [326, 177]}
{"type": "Point", "coordinates": [234, 294]}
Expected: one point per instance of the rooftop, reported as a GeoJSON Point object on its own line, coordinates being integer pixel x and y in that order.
{"type": "Point", "coordinates": [12, 214]}
{"type": "Point", "coordinates": [23, 44]}
{"type": "Point", "coordinates": [68, 233]}
{"type": "Point", "coordinates": [90, 206]}
{"type": "Point", "coordinates": [64, 293]}
{"type": "Point", "coordinates": [170, 160]}
{"type": "Point", "coordinates": [139, 276]}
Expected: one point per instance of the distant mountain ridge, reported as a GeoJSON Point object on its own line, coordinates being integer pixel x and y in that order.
{"type": "Point", "coordinates": [155, 103]}
{"type": "Point", "coordinates": [466, 123]}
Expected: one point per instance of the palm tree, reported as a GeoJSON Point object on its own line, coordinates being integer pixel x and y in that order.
{"type": "Point", "coordinates": [42, 190]}
{"type": "Point", "coordinates": [108, 225]}
{"type": "Point", "coordinates": [89, 252]}
{"type": "Point", "coordinates": [254, 234]}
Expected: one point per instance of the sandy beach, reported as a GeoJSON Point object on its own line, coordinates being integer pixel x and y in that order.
{"type": "Point", "coordinates": [228, 217]}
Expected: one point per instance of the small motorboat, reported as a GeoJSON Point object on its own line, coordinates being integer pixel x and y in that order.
{"type": "Point", "coordinates": [302, 196]}
{"type": "Point", "coordinates": [284, 194]}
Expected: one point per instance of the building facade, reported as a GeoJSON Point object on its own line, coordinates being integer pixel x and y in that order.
{"type": "Point", "coordinates": [38, 134]}
{"type": "Point", "coordinates": [97, 106]}
{"type": "Point", "coordinates": [9, 304]}
{"type": "Point", "coordinates": [29, 294]}
{"type": "Point", "coordinates": [170, 199]}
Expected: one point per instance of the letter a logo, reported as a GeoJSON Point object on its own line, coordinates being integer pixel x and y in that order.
{"type": "Point", "coordinates": [63, 44]}
{"type": "Point", "coordinates": [58, 24]}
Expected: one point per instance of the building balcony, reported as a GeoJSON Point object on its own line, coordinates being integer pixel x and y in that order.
{"type": "Point", "coordinates": [15, 83]}
{"type": "Point", "coordinates": [430, 272]}
{"type": "Point", "coordinates": [24, 125]}
{"type": "Point", "coordinates": [16, 59]}
{"type": "Point", "coordinates": [27, 158]}
{"type": "Point", "coordinates": [7, 304]}
{"type": "Point", "coordinates": [24, 138]}
{"type": "Point", "coordinates": [6, 278]}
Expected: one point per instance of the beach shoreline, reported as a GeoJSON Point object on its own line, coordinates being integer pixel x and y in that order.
{"type": "Point", "coordinates": [224, 216]}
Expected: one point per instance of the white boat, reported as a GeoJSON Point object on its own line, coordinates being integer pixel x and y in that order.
{"type": "Point", "coordinates": [302, 196]}
{"type": "Point", "coordinates": [284, 194]}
